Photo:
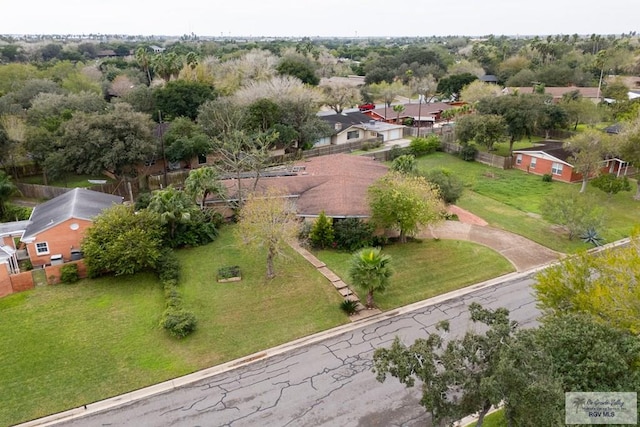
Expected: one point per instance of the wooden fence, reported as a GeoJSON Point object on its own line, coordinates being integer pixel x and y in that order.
{"type": "Point", "coordinates": [127, 190]}
{"type": "Point", "coordinates": [484, 158]}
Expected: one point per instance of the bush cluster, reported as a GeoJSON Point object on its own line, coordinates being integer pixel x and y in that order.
{"type": "Point", "coordinates": [351, 234]}
{"type": "Point", "coordinates": [69, 273]}
{"type": "Point", "coordinates": [321, 234]}
{"type": "Point", "coordinates": [176, 320]}
{"type": "Point", "coordinates": [449, 185]}
{"type": "Point", "coordinates": [370, 145]}
{"type": "Point", "coordinates": [468, 153]}
{"type": "Point", "coordinates": [547, 177]}
{"type": "Point", "coordinates": [424, 145]}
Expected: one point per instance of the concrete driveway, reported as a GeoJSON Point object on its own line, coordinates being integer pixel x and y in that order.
{"type": "Point", "coordinates": [523, 253]}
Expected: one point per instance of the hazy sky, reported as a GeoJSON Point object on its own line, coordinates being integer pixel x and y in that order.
{"type": "Point", "coordinates": [346, 18]}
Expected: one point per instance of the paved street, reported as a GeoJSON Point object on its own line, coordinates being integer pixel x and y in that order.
{"type": "Point", "coordinates": [328, 383]}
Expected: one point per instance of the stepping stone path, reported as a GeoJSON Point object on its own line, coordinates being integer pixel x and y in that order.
{"type": "Point", "coordinates": [337, 283]}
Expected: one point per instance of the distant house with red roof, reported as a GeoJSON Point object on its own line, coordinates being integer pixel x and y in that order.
{"type": "Point", "coordinates": [425, 113]}
{"type": "Point", "coordinates": [550, 158]}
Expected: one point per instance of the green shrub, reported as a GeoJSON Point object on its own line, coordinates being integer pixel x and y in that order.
{"type": "Point", "coordinates": [406, 164]}
{"type": "Point", "coordinates": [322, 233]}
{"type": "Point", "coordinates": [168, 267]}
{"type": "Point", "coordinates": [15, 213]}
{"type": "Point", "coordinates": [547, 177]}
{"type": "Point", "coordinates": [397, 151]}
{"type": "Point", "coordinates": [468, 153]}
{"type": "Point", "coordinates": [173, 298]}
{"type": "Point", "coordinates": [179, 322]}
{"type": "Point", "coordinates": [352, 234]}
{"type": "Point", "coordinates": [229, 272]}
{"type": "Point", "coordinates": [424, 145]}
{"type": "Point", "coordinates": [69, 273]}
{"type": "Point", "coordinates": [449, 185]}
{"type": "Point", "coordinates": [143, 201]}
{"type": "Point", "coordinates": [611, 184]}
{"type": "Point", "coordinates": [349, 307]}
{"type": "Point", "coordinates": [370, 145]}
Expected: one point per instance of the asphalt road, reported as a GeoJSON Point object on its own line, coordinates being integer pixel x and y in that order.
{"type": "Point", "coordinates": [328, 383]}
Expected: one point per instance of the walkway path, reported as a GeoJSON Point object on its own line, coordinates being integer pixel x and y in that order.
{"type": "Point", "coordinates": [336, 281]}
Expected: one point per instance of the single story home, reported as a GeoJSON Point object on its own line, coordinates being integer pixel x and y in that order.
{"type": "Point", "coordinates": [336, 184]}
{"type": "Point", "coordinates": [424, 113]}
{"type": "Point", "coordinates": [56, 228]}
{"type": "Point", "coordinates": [357, 127]}
{"type": "Point", "coordinates": [550, 158]}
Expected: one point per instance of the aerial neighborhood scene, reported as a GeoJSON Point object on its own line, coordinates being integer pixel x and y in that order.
{"type": "Point", "coordinates": [339, 214]}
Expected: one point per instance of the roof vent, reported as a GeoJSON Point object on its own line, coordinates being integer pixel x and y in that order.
{"type": "Point", "coordinates": [372, 123]}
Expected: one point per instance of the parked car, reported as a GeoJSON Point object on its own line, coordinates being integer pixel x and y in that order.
{"type": "Point", "coordinates": [367, 106]}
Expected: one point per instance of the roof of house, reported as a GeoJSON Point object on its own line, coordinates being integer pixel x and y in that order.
{"type": "Point", "coordinates": [557, 92]}
{"type": "Point", "coordinates": [413, 110]}
{"type": "Point", "coordinates": [336, 184]}
{"type": "Point", "coordinates": [13, 228]}
{"type": "Point", "coordinates": [345, 120]}
{"type": "Point", "coordinates": [78, 203]}
{"type": "Point", "coordinates": [489, 78]}
{"type": "Point", "coordinates": [550, 148]}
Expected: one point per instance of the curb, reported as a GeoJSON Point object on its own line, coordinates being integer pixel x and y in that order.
{"type": "Point", "coordinates": [169, 385]}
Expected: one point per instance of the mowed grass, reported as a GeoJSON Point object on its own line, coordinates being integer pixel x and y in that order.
{"type": "Point", "coordinates": [71, 181]}
{"type": "Point", "coordinates": [426, 268]}
{"type": "Point", "coordinates": [512, 200]}
{"type": "Point", "coordinates": [67, 345]}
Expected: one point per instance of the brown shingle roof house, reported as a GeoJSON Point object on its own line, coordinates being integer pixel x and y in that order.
{"type": "Point", "coordinates": [336, 184]}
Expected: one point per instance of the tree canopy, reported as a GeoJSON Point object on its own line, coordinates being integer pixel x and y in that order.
{"type": "Point", "coordinates": [404, 202]}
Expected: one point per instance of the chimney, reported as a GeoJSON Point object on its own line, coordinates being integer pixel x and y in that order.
{"type": "Point", "coordinates": [338, 127]}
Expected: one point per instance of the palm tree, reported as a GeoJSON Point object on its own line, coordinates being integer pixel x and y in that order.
{"type": "Point", "coordinates": [142, 57]}
{"type": "Point", "coordinates": [370, 271]}
{"type": "Point", "coordinates": [173, 206]}
{"type": "Point", "coordinates": [398, 109]}
{"type": "Point", "coordinates": [6, 191]}
{"type": "Point", "coordinates": [202, 182]}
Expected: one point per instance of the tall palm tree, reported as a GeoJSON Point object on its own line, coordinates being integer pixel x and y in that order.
{"type": "Point", "coordinates": [370, 270]}
{"type": "Point", "coordinates": [142, 57]}
{"type": "Point", "coordinates": [398, 109]}
{"type": "Point", "coordinates": [6, 191]}
{"type": "Point", "coordinates": [173, 206]}
{"type": "Point", "coordinates": [203, 181]}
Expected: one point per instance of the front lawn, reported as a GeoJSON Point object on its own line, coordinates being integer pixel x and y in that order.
{"type": "Point", "coordinates": [511, 200]}
{"type": "Point", "coordinates": [426, 268]}
{"type": "Point", "coordinates": [67, 345]}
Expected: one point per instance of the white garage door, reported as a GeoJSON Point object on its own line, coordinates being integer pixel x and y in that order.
{"type": "Point", "coordinates": [395, 134]}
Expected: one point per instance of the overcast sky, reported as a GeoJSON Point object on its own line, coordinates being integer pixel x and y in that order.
{"type": "Point", "coordinates": [344, 18]}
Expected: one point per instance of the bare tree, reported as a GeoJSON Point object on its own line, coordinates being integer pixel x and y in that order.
{"type": "Point", "coordinates": [268, 221]}
{"type": "Point", "coordinates": [339, 95]}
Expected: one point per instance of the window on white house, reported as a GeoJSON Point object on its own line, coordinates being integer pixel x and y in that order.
{"type": "Point", "coordinates": [42, 248]}
{"type": "Point", "coordinates": [532, 165]}
{"type": "Point", "coordinates": [556, 168]}
{"type": "Point", "coordinates": [353, 134]}
{"type": "Point", "coordinates": [518, 159]}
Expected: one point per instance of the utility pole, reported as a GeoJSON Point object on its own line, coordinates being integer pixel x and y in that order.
{"type": "Point", "coordinates": [164, 157]}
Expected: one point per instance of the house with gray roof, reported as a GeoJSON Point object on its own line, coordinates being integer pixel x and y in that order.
{"type": "Point", "coordinates": [56, 228]}
{"type": "Point", "coordinates": [357, 127]}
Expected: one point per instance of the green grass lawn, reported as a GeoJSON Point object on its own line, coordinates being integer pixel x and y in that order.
{"type": "Point", "coordinates": [426, 268]}
{"type": "Point", "coordinates": [71, 181]}
{"type": "Point", "coordinates": [502, 148]}
{"type": "Point", "coordinates": [494, 419]}
{"type": "Point", "coordinates": [511, 200]}
{"type": "Point", "coordinates": [67, 345]}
